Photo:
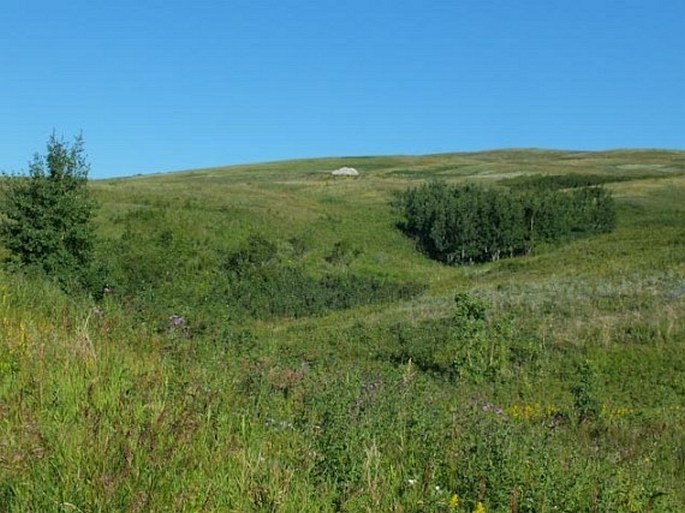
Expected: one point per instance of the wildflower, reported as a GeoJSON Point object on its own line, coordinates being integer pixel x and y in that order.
{"type": "Point", "coordinates": [479, 508]}
{"type": "Point", "coordinates": [411, 482]}
{"type": "Point", "coordinates": [454, 501]}
{"type": "Point", "coordinates": [177, 321]}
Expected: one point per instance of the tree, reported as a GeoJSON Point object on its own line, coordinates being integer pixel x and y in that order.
{"type": "Point", "coordinates": [48, 213]}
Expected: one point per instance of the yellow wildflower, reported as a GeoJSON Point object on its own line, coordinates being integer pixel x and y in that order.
{"type": "Point", "coordinates": [479, 508]}
{"type": "Point", "coordinates": [454, 501]}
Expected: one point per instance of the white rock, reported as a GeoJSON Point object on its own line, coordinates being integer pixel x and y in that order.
{"type": "Point", "coordinates": [345, 171]}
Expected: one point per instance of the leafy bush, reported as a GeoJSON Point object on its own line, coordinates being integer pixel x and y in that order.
{"type": "Point", "coordinates": [584, 391]}
{"type": "Point", "coordinates": [465, 346]}
{"type": "Point", "coordinates": [256, 252]}
{"type": "Point", "coordinates": [469, 224]}
{"type": "Point", "coordinates": [48, 214]}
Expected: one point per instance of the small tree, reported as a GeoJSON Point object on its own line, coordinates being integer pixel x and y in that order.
{"type": "Point", "coordinates": [47, 220]}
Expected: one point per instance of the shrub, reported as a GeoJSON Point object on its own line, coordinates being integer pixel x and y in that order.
{"type": "Point", "coordinates": [48, 214]}
{"type": "Point", "coordinates": [256, 252]}
{"type": "Point", "coordinates": [158, 270]}
{"type": "Point", "coordinates": [465, 346]}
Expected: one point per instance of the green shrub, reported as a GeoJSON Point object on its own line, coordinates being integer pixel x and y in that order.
{"type": "Point", "coordinates": [465, 346]}
{"type": "Point", "coordinates": [343, 252]}
{"type": "Point", "coordinates": [255, 253]}
{"type": "Point", "coordinates": [585, 399]}
{"type": "Point", "coordinates": [48, 214]}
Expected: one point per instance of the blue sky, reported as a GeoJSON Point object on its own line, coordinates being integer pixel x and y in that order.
{"type": "Point", "coordinates": [165, 85]}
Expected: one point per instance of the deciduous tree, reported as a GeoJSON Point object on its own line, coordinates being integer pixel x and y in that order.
{"type": "Point", "coordinates": [47, 213]}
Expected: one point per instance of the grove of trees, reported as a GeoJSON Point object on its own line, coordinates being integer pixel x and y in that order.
{"type": "Point", "coordinates": [461, 224]}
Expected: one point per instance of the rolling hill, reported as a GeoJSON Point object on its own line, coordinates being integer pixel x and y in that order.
{"type": "Point", "coordinates": [269, 340]}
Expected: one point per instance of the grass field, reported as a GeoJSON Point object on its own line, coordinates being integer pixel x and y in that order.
{"type": "Point", "coordinates": [341, 374]}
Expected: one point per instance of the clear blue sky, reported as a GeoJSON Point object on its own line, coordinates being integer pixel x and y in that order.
{"type": "Point", "coordinates": [158, 85]}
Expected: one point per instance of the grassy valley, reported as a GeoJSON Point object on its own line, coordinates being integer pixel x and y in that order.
{"type": "Point", "coordinates": [269, 340]}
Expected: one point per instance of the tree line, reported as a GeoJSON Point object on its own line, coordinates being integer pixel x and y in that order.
{"type": "Point", "coordinates": [463, 224]}
{"type": "Point", "coordinates": [566, 181]}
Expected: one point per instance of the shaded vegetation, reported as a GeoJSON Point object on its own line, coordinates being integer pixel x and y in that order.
{"type": "Point", "coordinates": [260, 284]}
{"type": "Point", "coordinates": [168, 271]}
{"type": "Point", "coordinates": [570, 181]}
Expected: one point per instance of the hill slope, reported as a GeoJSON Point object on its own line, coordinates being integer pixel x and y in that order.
{"type": "Point", "coordinates": [205, 382]}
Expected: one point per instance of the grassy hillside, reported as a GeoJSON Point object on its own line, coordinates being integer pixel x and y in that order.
{"type": "Point", "coordinates": [338, 372]}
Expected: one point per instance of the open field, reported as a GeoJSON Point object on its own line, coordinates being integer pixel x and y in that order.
{"type": "Point", "coordinates": [378, 392]}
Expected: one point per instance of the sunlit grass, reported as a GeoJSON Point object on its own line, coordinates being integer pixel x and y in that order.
{"type": "Point", "coordinates": [578, 407]}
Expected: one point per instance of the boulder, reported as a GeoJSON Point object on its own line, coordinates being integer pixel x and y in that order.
{"type": "Point", "coordinates": [345, 171]}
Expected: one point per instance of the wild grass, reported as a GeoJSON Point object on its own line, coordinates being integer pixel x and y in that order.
{"type": "Point", "coordinates": [564, 391]}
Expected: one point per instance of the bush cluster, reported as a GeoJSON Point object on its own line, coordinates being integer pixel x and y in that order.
{"type": "Point", "coordinates": [47, 222]}
{"type": "Point", "coordinates": [469, 223]}
{"type": "Point", "coordinates": [463, 347]}
{"type": "Point", "coordinates": [159, 271]}
{"type": "Point", "coordinates": [260, 283]}
{"type": "Point", "coordinates": [567, 181]}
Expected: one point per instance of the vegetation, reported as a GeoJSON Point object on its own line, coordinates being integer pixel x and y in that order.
{"type": "Point", "coordinates": [541, 383]}
{"type": "Point", "coordinates": [167, 271]}
{"type": "Point", "coordinates": [48, 213]}
{"type": "Point", "coordinates": [468, 223]}
{"type": "Point", "coordinates": [565, 181]}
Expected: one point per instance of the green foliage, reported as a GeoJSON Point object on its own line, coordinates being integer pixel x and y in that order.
{"type": "Point", "coordinates": [160, 270]}
{"type": "Point", "coordinates": [48, 214]}
{"type": "Point", "coordinates": [566, 181]}
{"type": "Point", "coordinates": [586, 401]}
{"type": "Point", "coordinates": [257, 252]}
{"type": "Point", "coordinates": [464, 224]}
{"type": "Point", "coordinates": [342, 253]}
{"type": "Point", "coordinates": [465, 346]}
{"type": "Point", "coordinates": [469, 309]}
{"type": "Point", "coordinates": [160, 397]}
{"type": "Point", "coordinates": [261, 283]}
{"type": "Point", "coordinates": [469, 224]}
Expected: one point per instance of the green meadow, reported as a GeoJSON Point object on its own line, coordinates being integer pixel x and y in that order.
{"type": "Point", "coordinates": [269, 340]}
